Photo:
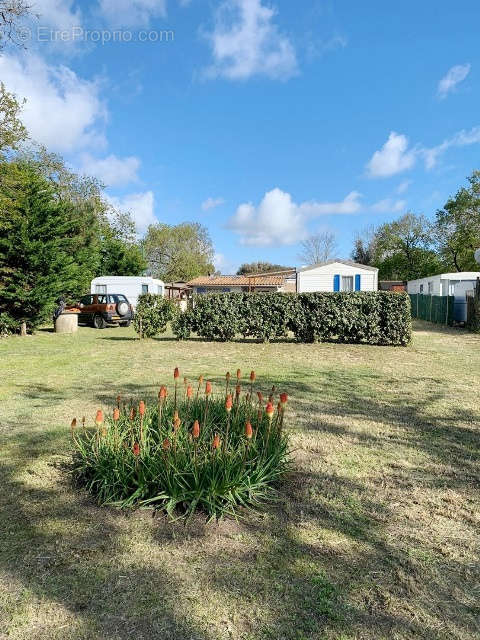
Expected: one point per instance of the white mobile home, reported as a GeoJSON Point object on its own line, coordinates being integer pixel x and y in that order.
{"type": "Point", "coordinates": [130, 286]}
{"type": "Point", "coordinates": [337, 275]}
{"type": "Point", "coordinates": [455, 284]}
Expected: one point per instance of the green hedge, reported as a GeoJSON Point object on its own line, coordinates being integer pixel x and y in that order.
{"type": "Point", "coordinates": [369, 317]}
{"type": "Point", "coordinates": [152, 315]}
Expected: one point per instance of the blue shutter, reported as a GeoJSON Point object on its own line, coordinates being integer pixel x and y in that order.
{"type": "Point", "coordinates": [336, 282]}
{"type": "Point", "coordinates": [358, 281]}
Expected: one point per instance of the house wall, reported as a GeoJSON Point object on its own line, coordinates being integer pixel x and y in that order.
{"type": "Point", "coordinates": [414, 286]}
{"type": "Point", "coordinates": [322, 278]}
{"type": "Point", "coordinates": [130, 286]}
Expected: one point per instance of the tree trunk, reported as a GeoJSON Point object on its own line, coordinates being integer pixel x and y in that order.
{"type": "Point", "coordinates": [23, 329]}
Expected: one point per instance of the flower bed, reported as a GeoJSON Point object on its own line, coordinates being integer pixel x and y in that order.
{"type": "Point", "coordinates": [190, 449]}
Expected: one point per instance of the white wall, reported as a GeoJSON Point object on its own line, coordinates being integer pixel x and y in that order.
{"type": "Point", "coordinates": [130, 286]}
{"type": "Point", "coordinates": [321, 278]}
{"type": "Point", "coordinates": [413, 286]}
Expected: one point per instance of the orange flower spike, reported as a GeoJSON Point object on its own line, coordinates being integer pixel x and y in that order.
{"type": "Point", "coordinates": [229, 403]}
{"type": "Point", "coordinates": [269, 410]}
{"type": "Point", "coordinates": [238, 390]}
{"type": "Point", "coordinates": [260, 397]}
{"type": "Point", "coordinates": [176, 421]}
{"type": "Point", "coordinates": [189, 392]}
{"type": "Point", "coordinates": [116, 414]}
{"type": "Point", "coordinates": [252, 376]}
{"type": "Point", "coordinates": [99, 418]}
{"type": "Point", "coordinates": [216, 441]}
{"type": "Point", "coordinates": [196, 430]}
{"type": "Point", "coordinates": [73, 424]}
{"type": "Point", "coordinates": [141, 408]}
{"type": "Point", "coordinates": [133, 413]}
{"type": "Point", "coordinates": [283, 398]}
{"type": "Point", "coordinates": [176, 374]}
{"type": "Point", "coordinates": [200, 379]}
{"type": "Point", "coordinates": [228, 376]}
{"type": "Point", "coordinates": [166, 444]}
{"type": "Point", "coordinates": [136, 449]}
{"type": "Point", "coordinates": [162, 394]}
{"type": "Point", "coordinates": [208, 388]}
{"type": "Point", "coordinates": [239, 374]}
{"type": "Point", "coordinates": [248, 431]}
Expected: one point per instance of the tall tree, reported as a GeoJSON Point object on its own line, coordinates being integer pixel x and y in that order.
{"type": "Point", "coordinates": [12, 13]}
{"type": "Point", "coordinates": [457, 227]}
{"type": "Point", "coordinates": [319, 247]}
{"type": "Point", "coordinates": [364, 246]}
{"type": "Point", "coordinates": [39, 260]}
{"type": "Point", "coordinates": [121, 254]}
{"type": "Point", "coordinates": [12, 131]}
{"type": "Point", "coordinates": [259, 267]}
{"type": "Point", "coordinates": [404, 249]}
{"type": "Point", "coordinates": [179, 252]}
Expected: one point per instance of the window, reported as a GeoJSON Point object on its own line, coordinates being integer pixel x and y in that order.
{"type": "Point", "coordinates": [100, 288]}
{"type": "Point", "coordinates": [86, 300]}
{"type": "Point", "coordinates": [347, 283]}
{"type": "Point", "coordinates": [421, 288]}
{"type": "Point", "coordinates": [430, 288]}
{"type": "Point", "coordinates": [201, 290]}
{"type": "Point", "coordinates": [160, 290]}
{"type": "Point", "coordinates": [144, 288]}
{"type": "Point", "coordinates": [102, 299]}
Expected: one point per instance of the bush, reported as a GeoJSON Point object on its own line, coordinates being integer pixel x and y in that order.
{"type": "Point", "coordinates": [153, 314]}
{"type": "Point", "coordinates": [379, 317]}
{"type": "Point", "coordinates": [159, 456]}
{"type": "Point", "coordinates": [7, 325]}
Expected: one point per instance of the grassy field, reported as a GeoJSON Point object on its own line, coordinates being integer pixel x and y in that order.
{"type": "Point", "coordinates": [375, 535]}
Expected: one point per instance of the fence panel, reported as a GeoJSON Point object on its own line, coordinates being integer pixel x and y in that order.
{"type": "Point", "coordinates": [438, 309]}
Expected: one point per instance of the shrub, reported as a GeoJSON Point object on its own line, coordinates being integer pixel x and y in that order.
{"type": "Point", "coordinates": [379, 317]}
{"type": "Point", "coordinates": [153, 314]}
{"type": "Point", "coordinates": [189, 450]}
{"type": "Point", "coordinates": [7, 325]}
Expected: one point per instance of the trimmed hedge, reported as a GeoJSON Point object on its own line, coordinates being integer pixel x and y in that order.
{"type": "Point", "coordinates": [380, 317]}
{"type": "Point", "coordinates": [152, 315]}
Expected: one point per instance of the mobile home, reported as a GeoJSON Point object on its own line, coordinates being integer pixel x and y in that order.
{"type": "Point", "coordinates": [337, 275]}
{"type": "Point", "coordinates": [456, 284]}
{"type": "Point", "coordinates": [130, 286]}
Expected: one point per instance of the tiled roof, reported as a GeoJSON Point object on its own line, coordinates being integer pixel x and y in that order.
{"type": "Point", "coordinates": [237, 281]}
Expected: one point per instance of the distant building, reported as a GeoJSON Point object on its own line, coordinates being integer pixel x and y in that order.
{"type": "Point", "coordinates": [392, 285]}
{"type": "Point", "coordinates": [238, 284]}
{"type": "Point", "coordinates": [337, 275]}
{"type": "Point", "coordinates": [457, 284]}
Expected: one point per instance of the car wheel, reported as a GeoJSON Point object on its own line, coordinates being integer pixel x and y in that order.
{"type": "Point", "coordinates": [99, 322]}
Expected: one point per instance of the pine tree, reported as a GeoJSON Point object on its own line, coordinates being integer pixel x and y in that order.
{"type": "Point", "coordinates": [38, 235]}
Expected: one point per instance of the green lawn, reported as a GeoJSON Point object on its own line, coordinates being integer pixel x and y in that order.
{"type": "Point", "coordinates": [375, 535]}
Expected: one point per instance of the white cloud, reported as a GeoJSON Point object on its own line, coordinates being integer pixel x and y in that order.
{"type": "Point", "coordinates": [140, 205]}
{"type": "Point", "coordinates": [246, 42]}
{"type": "Point", "coordinates": [279, 221]}
{"type": "Point", "coordinates": [57, 14]}
{"type": "Point", "coordinates": [394, 157]}
{"type": "Point", "coordinates": [111, 170]}
{"type": "Point", "coordinates": [212, 203]}
{"type": "Point", "coordinates": [452, 79]}
{"type": "Point", "coordinates": [461, 139]}
{"type": "Point", "coordinates": [132, 13]}
{"type": "Point", "coordinates": [403, 186]}
{"type": "Point", "coordinates": [389, 205]}
{"type": "Point", "coordinates": [63, 111]}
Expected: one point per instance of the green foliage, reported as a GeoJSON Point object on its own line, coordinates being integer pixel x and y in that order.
{"type": "Point", "coordinates": [39, 256]}
{"type": "Point", "coordinates": [120, 253]}
{"type": "Point", "coordinates": [457, 228]}
{"type": "Point", "coordinates": [259, 267]}
{"type": "Point", "coordinates": [156, 461]}
{"type": "Point", "coordinates": [178, 253]}
{"type": "Point", "coordinates": [12, 131]}
{"type": "Point", "coordinates": [361, 317]}
{"type": "Point", "coordinates": [152, 315]}
{"type": "Point", "coordinates": [7, 325]}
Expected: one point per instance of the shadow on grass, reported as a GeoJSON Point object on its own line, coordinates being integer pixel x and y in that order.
{"type": "Point", "coordinates": [292, 582]}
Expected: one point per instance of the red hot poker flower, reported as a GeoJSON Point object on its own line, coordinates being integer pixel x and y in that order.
{"type": "Point", "coordinates": [162, 394]}
{"type": "Point", "coordinates": [248, 431]}
{"type": "Point", "coordinates": [252, 376]}
{"type": "Point", "coordinates": [228, 403]}
{"type": "Point", "coordinates": [141, 408]}
{"type": "Point", "coordinates": [238, 390]}
{"type": "Point", "coordinates": [73, 424]}
{"type": "Point", "coordinates": [176, 373]}
{"type": "Point", "coordinates": [239, 374]}
{"type": "Point", "coordinates": [136, 449]}
{"type": "Point", "coordinates": [283, 398]}
{"type": "Point", "coordinates": [208, 388]}
{"type": "Point", "coordinates": [196, 429]}
{"type": "Point", "coordinates": [116, 414]}
{"type": "Point", "coordinates": [269, 410]}
{"type": "Point", "coordinates": [216, 441]}
{"type": "Point", "coordinates": [260, 397]}
{"type": "Point", "coordinates": [166, 444]}
{"type": "Point", "coordinates": [189, 392]}
{"type": "Point", "coordinates": [99, 417]}
{"type": "Point", "coordinates": [176, 421]}
{"type": "Point", "coordinates": [228, 376]}
{"type": "Point", "coordinates": [133, 413]}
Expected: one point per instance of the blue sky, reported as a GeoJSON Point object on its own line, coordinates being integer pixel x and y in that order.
{"type": "Point", "coordinates": [263, 120]}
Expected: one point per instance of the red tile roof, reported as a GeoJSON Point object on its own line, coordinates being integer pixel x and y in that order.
{"type": "Point", "coordinates": [237, 281]}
